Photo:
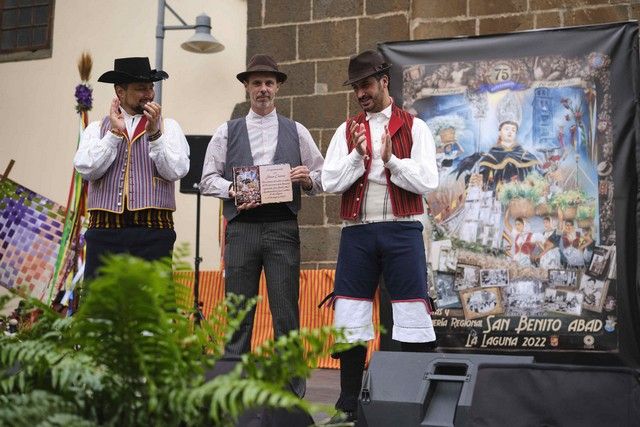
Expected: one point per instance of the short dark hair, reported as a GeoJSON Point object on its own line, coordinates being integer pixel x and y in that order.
{"type": "Point", "coordinates": [508, 122]}
{"type": "Point", "coordinates": [379, 75]}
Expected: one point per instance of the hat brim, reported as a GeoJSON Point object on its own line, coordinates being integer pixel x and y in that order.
{"type": "Point", "coordinates": [366, 74]}
{"type": "Point", "coordinates": [120, 77]}
{"type": "Point", "coordinates": [280, 76]}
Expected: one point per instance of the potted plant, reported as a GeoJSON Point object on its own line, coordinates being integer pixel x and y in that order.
{"type": "Point", "coordinates": [584, 215]}
{"type": "Point", "coordinates": [567, 202]}
{"type": "Point", "coordinates": [521, 197]}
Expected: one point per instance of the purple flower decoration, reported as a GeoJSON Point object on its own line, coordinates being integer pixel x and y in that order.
{"type": "Point", "coordinates": [84, 98]}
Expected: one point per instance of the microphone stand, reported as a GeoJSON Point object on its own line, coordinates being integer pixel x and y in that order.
{"type": "Point", "coordinates": [199, 316]}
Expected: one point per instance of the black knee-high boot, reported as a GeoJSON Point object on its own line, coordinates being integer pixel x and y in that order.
{"type": "Point", "coordinates": [351, 370]}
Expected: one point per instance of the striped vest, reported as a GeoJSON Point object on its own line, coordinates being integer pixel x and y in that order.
{"type": "Point", "coordinates": [403, 202]}
{"type": "Point", "coordinates": [239, 154]}
{"type": "Point", "coordinates": [132, 174]}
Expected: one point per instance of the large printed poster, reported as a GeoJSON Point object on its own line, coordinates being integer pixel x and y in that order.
{"type": "Point", "coordinates": [524, 246]}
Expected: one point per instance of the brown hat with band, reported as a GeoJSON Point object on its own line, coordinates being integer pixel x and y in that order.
{"type": "Point", "coordinates": [261, 63]}
{"type": "Point", "coordinates": [364, 65]}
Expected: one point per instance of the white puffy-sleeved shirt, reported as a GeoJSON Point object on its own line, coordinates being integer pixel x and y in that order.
{"type": "Point", "coordinates": [417, 173]}
{"type": "Point", "coordinates": [169, 153]}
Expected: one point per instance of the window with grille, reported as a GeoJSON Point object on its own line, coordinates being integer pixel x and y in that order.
{"type": "Point", "coordinates": [26, 27]}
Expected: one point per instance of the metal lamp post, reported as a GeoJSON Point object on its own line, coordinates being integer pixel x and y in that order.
{"type": "Point", "coordinates": [201, 42]}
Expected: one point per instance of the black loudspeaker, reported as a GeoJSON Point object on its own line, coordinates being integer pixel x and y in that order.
{"type": "Point", "coordinates": [197, 150]}
{"type": "Point", "coordinates": [421, 389]}
{"type": "Point", "coordinates": [261, 417]}
{"type": "Point", "coordinates": [555, 395]}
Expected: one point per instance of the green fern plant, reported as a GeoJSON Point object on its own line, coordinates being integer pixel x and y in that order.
{"type": "Point", "coordinates": [131, 356]}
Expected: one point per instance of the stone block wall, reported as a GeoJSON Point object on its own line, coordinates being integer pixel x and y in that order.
{"type": "Point", "coordinates": [313, 39]}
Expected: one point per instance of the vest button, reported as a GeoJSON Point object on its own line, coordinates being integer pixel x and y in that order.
{"type": "Point", "coordinates": [357, 199]}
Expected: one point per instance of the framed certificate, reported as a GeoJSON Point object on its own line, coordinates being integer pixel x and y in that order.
{"type": "Point", "coordinates": [263, 184]}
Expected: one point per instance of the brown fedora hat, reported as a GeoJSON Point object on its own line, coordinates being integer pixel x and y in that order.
{"type": "Point", "coordinates": [365, 64]}
{"type": "Point", "coordinates": [261, 63]}
{"type": "Point", "coordinates": [132, 70]}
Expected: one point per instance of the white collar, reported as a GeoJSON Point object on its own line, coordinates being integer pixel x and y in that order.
{"type": "Point", "coordinates": [252, 115]}
{"type": "Point", "coordinates": [127, 115]}
{"type": "Point", "coordinates": [386, 113]}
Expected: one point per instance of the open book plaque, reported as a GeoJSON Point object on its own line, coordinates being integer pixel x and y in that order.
{"type": "Point", "coordinates": [263, 184]}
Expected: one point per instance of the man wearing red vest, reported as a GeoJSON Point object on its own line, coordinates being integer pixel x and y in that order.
{"type": "Point", "coordinates": [382, 161]}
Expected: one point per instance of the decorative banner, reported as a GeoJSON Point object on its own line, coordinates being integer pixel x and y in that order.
{"type": "Point", "coordinates": [69, 265]}
{"type": "Point", "coordinates": [535, 137]}
{"type": "Point", "coordinates": [30, 231]}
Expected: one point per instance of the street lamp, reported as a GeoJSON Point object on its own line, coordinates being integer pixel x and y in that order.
{"type": "Point", "coordinates": [201, 42]}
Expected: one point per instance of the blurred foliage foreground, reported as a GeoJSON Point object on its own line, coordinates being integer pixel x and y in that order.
{"type": "Point", "coordinates": [132, 357]}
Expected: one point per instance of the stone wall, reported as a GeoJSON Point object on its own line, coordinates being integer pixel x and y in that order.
{"type": "Point", "coordinates": [313, 39]}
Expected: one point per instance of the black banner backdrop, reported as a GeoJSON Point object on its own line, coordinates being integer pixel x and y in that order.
{"type": "Point", "coordinates": [533, 246]}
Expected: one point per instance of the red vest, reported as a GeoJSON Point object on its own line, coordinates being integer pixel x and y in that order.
{"type": "Point", "coordinates": [403, 202]}
{"type": "Point", "coordinates": [526, 247]}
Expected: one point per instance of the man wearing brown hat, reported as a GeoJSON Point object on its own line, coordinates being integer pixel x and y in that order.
{"type": "Point", "coordinates": [262, 236]}
{"type": "Point", "coordinates": [382, 161]}
{"type": "Point", "coordinates": [131, 159]}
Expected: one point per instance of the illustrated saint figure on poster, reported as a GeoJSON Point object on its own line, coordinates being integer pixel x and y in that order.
{"type": "Point", "coordinates": [507, 160]}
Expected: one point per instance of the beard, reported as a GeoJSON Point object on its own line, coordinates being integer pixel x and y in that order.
{"type": "Point", "coordinates": [139, 108]}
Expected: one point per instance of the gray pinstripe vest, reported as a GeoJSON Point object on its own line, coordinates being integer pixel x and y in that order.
{"type": "Point", "coordinates": [239, 154]}
{"type": "Point", "coordinates": [133, 174]}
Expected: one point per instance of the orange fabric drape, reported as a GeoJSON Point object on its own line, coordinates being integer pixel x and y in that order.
{"type": "Point", "coordinates": [314, 286]}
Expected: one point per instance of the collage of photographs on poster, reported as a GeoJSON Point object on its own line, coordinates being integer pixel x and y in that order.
{"type": "Point", "coordinates": [522, 252]}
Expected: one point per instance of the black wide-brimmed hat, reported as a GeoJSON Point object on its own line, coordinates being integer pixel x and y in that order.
{"type": "Point", "coordinates": [132, 70]}
{"type": "Point", "coordinates": [364, 65]}
{"type": "Point", "coordinates": [261, 63]}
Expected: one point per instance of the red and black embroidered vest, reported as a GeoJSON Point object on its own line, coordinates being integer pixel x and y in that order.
{"type": "Point", "coordinates": [403, 202]}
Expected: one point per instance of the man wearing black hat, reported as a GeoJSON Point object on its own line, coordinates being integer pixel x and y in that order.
{"type": "Point", "coordinates": [262, 236]}
{"type": "Point", "coordinates": [382, 161]}
{"type": "Point", "coordinates": [131, 159]}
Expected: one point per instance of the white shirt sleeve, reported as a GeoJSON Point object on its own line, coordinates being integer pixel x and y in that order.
{"type": "Point", "coordinates": [213, 182]}
{"type": "Point", "coordinates": [95, 154]}
{"type": "Point", "coordinates": [418, 173]}
{"type": "Point", "coordinates": [170, 152]}
{"type": "Point", "coordinates": [311, 158]}
{"type": "Point", "coordinates": [341, 168]}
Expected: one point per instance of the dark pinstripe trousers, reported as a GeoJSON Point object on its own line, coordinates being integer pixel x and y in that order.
{"type": "Point", "coordinates": [274, 246]}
